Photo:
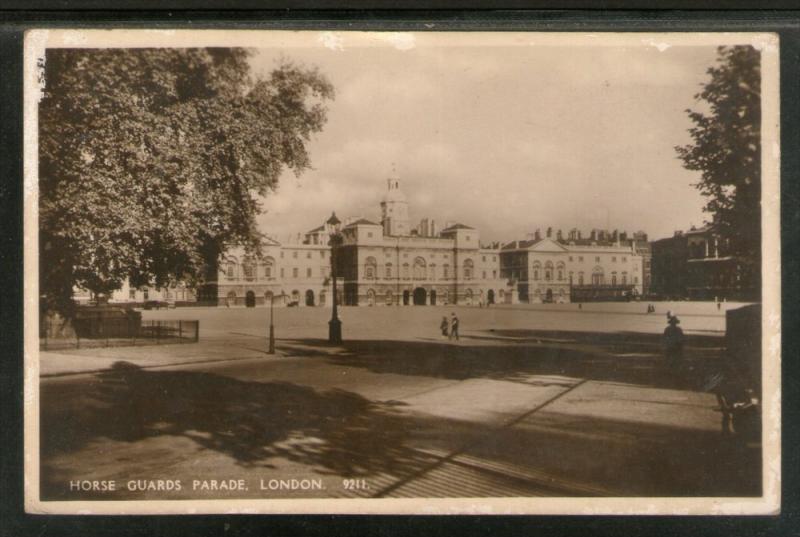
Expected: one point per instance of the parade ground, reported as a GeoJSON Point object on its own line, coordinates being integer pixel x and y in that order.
{"type": "Point", "coordinates": [532, 400]}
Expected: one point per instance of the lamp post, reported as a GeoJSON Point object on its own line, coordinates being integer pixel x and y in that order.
{"type": "Point", "coordinates": [271, 325]}
{"type": "Point", "coordinates": [334, 325]}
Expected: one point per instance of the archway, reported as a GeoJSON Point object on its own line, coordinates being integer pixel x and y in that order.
{"type": "Point", "coordinates": [250, 299]}
{"type": "Point", "coordinates": [405, 297]}
{"type": "Point", "coordinates": [490, 296]}
{"type": "Point", "coordinates": [419, 296]}
{"type": "Point", "coordinates": [548, 297]}
{"type": "Point", "coordinates": [433, 297]}
{"type": "Point", "coordinates": [309, 298]}
{"type": "Point", "coordinates": [231, 298]}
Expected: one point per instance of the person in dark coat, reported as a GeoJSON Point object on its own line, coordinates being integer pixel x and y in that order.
{"type": "Point", "coordinates": [454, 327]}
{"type": "Point", "coordinates": [673, 342]}
{"type": "Point", "coordinates": [444, 326]}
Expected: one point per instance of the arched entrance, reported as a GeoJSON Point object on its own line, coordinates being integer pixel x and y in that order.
{"type": "Point", "coordinates": [490, 296]}
{"type": "Point", "coordinates": [250, 299]}
{"type": "Point", "coordinates": [419, 296]}
{"type": "Point", "coordinates": [548, 297]}
{"type": "Point", "coordinates": [231, 301]}
{"type": "Point", "coordinates": [405, 297]}
{"type": "Point", "coordinates": [309, 298]}
{"type": "Point", "coordinates": [433, 297]}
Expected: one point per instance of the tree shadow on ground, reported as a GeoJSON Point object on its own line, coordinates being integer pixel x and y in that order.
{"type": "Point", "coordinates": [622, 357]}
{"type": "Point", "coordinates": [248, 421]}
{"type": "Point", "coordinates": [340, 433]}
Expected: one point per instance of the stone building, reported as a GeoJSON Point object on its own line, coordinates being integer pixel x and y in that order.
{"type": "Point", "coordinates": [390, 263]}
{"type": "Point", "coordinates": [557, 268]}
{"type": "Point", "coordinates": [697, 264]}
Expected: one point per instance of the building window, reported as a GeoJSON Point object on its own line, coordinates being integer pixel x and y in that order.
{"type": "Point", "coordinates": [535, 274]}
{"type": "Point", "coordinates": [420, 268]}
{"type": "Point", "coordinates": [484, 274]}
{"type": "Point", "coordinates": [146, 292]}
{"type": "Point", "coordinates": [580, 258]}
{"type": "Point", "coordinates": [636, 279]}
{"type": "Point", "coordinates": [268, 271]}
{"type": "Point", "coordinates": [624, 278]}
{"type": "Point", "coordinates": [294, 255]}
{"type": "Point", "coordinates": [308, 273]}
{"type": "Point", "coordinates": [597, 259]}
{"type": "Point", "coordinates": [624, 259]}
{"type": "Point", "coordinates": [494, 274]}
{"type": "Point", "coordinates": [247, 269]}
{"type": "Point", "coordinates": [613, 278]}
{"type": "Point", "coordinates": [613, 259]}
{"type": "Point", "coordinates": [406, 273]}
{"type": "Point", "coordinates": [597, 277]}
{"type": "Point", "coordinates": [281, 254]}
{"type": "Point", "coordinates": [370, 268]}
{"type": "Point", "coordinates": [570, 278]}
{"type": "Point", "coordinates": [570, 258]}
{"type": "Point", "coordinates": [560, 275]}
{"type": "Point", "coordinates": [322, 254]}
{"type": "Point", "coordinates": [580, 278]}
{"type": "Point", "coordinates": [295, 272]}
{"type": "Point", "coordinates": [388, 270]}
{"type": "Point", "coordinates": [282, 273]}
{"type": "Point", "coordinates": [369, 234]}
{"type": "Point", "coordinates": [308, 255]}
{"type": "Point", "coordinates": [132, 294]}
{"type": "Point", "coordinates": [445, 271]}
{"type": "Point", "coordinates": [484, 259]}
{"type": "Point", "coordinates": [468, 266]}
{"type": "Point", "coordinates": [231, 272]}
{"type": "Point", "coordinates": [432, 271]}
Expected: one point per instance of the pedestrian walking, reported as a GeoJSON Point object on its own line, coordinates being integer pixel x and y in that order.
{"type": "Point", "coordinates": [673, 342]}
{"type": "Point", "coordinates": [444, 326]}
{"type": "Point", "coordinates": [454, 327]}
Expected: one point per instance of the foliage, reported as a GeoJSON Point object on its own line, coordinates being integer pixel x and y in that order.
{"type": "Point", "coordinates": [151, 160]}
{"type": "Point", "coordinates": [726, 149]}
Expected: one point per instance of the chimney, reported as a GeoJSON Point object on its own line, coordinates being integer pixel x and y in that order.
{"type": "Point", "coordinates": [593, 235]}
{"type": "Point", "coordinates": [537, 234]}
{"type": "Point", "coordinates": [549, 232]}
{"type": "Point", "coordinates": [559, 235]}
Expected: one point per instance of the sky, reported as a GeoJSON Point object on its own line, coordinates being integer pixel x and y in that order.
{"type": "Point", "coordinates": [506, 137]}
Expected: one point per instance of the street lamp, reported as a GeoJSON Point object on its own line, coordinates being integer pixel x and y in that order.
{"type": "Point", "coordinates": [334, 325]}
{"type": "Point", "coordinates": [271, 325]}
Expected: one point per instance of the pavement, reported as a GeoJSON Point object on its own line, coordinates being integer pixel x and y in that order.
{"type": "Point", "coordinates": [527, 403]}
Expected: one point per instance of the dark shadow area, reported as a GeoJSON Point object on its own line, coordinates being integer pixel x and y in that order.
{"type": "Point", "coordinates": [248, 421]}
{"type": "Point", "coordinates": [545, 454]}
{"type": "Point", "coordinates": [624, 358]}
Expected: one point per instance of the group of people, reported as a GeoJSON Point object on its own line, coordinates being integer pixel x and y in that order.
{"type": "Point", "coordinates": [449, 327]}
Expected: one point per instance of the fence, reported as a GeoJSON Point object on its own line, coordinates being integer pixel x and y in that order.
{"type": "Point", "coordinates": [99, 332]}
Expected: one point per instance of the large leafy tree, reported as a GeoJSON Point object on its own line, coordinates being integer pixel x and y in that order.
{"type": "Point", "coordinates": [151, 160]}
{"type": "Point", "coordinates": [726, 150]}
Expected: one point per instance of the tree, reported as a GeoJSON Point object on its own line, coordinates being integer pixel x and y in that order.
{"type": "Point", "coordinates": [152, 160]}
{"type": "Point", "coordinates": [726, 149]}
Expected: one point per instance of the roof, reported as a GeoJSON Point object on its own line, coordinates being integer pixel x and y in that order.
{"type": "Point", "coordinates": [455, 227]}
{"type": "Point", "coordinates": [318, 228]}
{"type": "Point", "coordinates": [362, 222]}
{"type": "Point", "coordinates": [333, 220]}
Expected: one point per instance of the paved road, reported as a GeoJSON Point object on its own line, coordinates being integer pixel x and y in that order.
{"type": "Point", "coordinates": [512, 413]}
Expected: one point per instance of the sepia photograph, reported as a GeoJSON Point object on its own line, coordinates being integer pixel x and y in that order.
{"type": "Point", "coordinates": [401, 272]}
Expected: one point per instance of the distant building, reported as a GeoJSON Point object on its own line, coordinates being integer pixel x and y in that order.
{"type": "Point", "coordinates": [697, 265]}
{"type": "Point", "coordinates": [378, 264]}
{"type": "Point", "coordinates": [555, 268]}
